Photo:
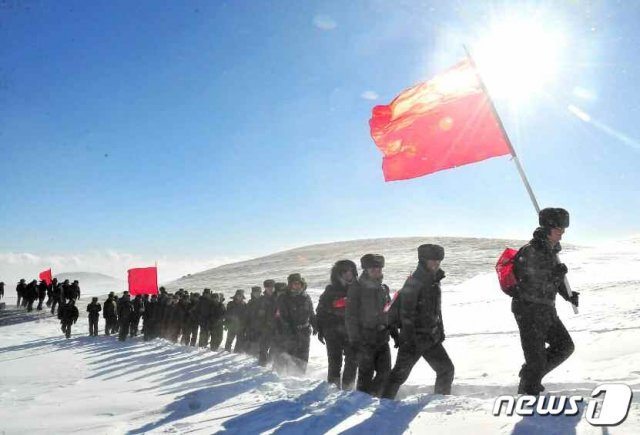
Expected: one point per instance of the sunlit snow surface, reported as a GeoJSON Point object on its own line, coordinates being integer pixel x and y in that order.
{"type": "Point", "coordinates": [98, 385]}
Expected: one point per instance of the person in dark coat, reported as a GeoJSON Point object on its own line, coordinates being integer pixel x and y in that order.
{"type": "Point", "coordinates": [42, 293]}
{"type": "Point", "coordinates": [56, 295]}
{"type": "Point", "coordinates": [110, 315]}
{"type": "Point", "coordinates": [266, 320]}
{"type": "Point", "coordinates": [298, 320]}
{"type": "Point", "coordinates": [252, 323]}
{"type": "Point", "coordinates": [233, 321]}
{"type": "Point", "coordinates": [202, 313]}
{"type": "Point", "coordinates": [138, 309]}
{"type": "Point", "coordinates": [20, 291]}
{"type": "Point", "coordinates": [125, 310]}
{"type": "Point", "coordinates": [31, 294]}
{"type": "Point", "coordinates": [332, 328]}
{"type": "Point", "coordinates": [540, 277]}
{"type": "Point", "coordinates": [66, 291]}
{"type": "Point", "coordinates": [68, 315]}
{"type": "Point", "coordinates": [94, 309]}
{"type": "Point", "coordinates": [151, 318]}
{"type": "Point", "coordinates": [190, 329]}
{"type": "Point", "coordinates": [50, 289]}
{"type": "Point", "coordinates": [421, 326]}
{"type": "Point", "coordinates": [1, 290]}
{"type": "Point", "coordinates": [216, 320]}
{"type": "Point", "coordinates": [367, 325]}
{"type": "Point", "coordinates": [75, 289]}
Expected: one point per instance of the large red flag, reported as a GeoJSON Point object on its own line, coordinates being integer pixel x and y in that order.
{"type": "Point", "coordinates": [440, 124]}
{"type": "Point", "coordinates": [143, 281]}
{"type": "Point", "coordinates": [45, 276]}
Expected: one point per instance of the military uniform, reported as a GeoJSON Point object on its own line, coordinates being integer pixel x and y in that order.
{"type": "Point", "coordinates": [332, 329]}
{"type": "Point", "coordinates": [421, 326]}
{"type": "Point", "coordinates": [367, 327]}
{"type": "Point", "coordinates": [540, 276]}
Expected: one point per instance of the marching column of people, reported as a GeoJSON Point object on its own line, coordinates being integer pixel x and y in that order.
{"type": "Point", "coordinates": [355, 317]}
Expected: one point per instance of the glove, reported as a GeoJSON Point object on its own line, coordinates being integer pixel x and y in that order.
{"type": "Point", "coordinates": [321, 338]}
{"type": "Point", "coordinates": [439, 275]}
{"type": "Point", "coordinates": [314, 331]}
{"type": "Point", "coordinates": [559, 270]}
{"type": "Point", "coordinates": [574, 298]}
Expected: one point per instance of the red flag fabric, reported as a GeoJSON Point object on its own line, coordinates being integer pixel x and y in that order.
{"type": "Point", "coordinates": [439, 124]}
{"type": "Point", "coordinates": [45, 276]}
{"type": "Point", "coordinates": [143, 281]}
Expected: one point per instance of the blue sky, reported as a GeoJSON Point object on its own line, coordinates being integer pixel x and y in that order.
{"type": "Point", "coordinates": [222, 129]}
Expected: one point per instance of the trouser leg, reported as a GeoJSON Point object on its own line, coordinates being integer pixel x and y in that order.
{"type": "Point", "coordinates": [382, 364]}
{"type": "Point", "coordinates": [334, 359]}
{"type": "Point", "coordinates": [407, 357]}
{"type": "Point", "coordinates": [350, 365]}
{"type": "Point", "coordinates": [532, 340]}
{"type": "Point", "coordinates": [265, 345]}
{"type": "Point", "coordinates": [440, 362]}
{"type": "Point", "coordinates": [560, 345]}
{"type": "Point", "coordinates": [231, 335]}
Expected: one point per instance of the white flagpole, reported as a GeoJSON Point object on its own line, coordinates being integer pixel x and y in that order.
{"type": "Point", "coordinates": [516, 160]}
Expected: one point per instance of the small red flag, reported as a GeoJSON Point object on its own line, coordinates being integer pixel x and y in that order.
{"type": "Point", "coordinates": [143, 281]}
{"type": "Point", "coordinates": [45, 276]}
{"type": "Point", "coordinates": [440, 124]}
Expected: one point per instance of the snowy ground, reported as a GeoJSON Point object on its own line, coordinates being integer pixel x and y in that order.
{"type": "Point", "coordinates": [98, 385]}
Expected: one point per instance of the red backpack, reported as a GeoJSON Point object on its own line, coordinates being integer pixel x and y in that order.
{"type": "Point", "coordinates": [504, 268]}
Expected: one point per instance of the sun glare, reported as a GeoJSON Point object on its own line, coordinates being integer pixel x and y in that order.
{"type": "Point", "coordinates": [518, 57]}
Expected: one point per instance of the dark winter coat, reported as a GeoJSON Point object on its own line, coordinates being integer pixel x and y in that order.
{"type": "Point", "coordinates": [109, 309]}
{"type": "Point", "coordinates": [202, 310]}
{"type": "Point", "coordinates": [252, 323]}
{"type": "Point", "coordinates": [68, 314]}
{"type": "Point", "coordinates": [21, 289]}
{"type": "Point", "coordinates": [94, 309]}
{"type": "Point", "coordinates": [266, 314]}
{"type": "Point", "coordinates": [74, 291]}
{"type": "Point", "coordinates": [421, 308]}
{"type": "Point", "coordinates": [31, 292]}
{"type": "Point", "coordinates": [535, 268]}
{"type": "Point", "coordinates": [42, 290]}
{"type": "Point", "coordinates": [125, 310]}
{"type": "Point", "coordinates": [295, 313]}
{"type": "Point", "coordinates": [366, 319]}
{"type": "Point", "coordinates": [332, 306]}
{"type": "Point", "coordinates": [216, 314]}
{"type": "Point", "coordinates": [234, 315]}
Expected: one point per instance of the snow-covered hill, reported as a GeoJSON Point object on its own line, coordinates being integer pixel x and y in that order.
{"type": "Point", "coordinates": [99, 385]}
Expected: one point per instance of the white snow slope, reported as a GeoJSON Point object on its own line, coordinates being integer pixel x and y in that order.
{"type": "Point", "coordinates": [53, 385]}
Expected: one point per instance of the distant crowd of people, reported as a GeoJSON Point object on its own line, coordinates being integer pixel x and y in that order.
{"type": "Point", "coordinates": [355, 317]}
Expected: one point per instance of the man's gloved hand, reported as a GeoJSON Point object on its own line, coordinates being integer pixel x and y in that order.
{"type": "Point", "coordinates": [321, 337]}
{"type": "Point", "coordinates": [559, 270]}
{"type": "Point", "coordinates": [574, 298]}
{"type": "Point", "coordinates": [440, 275]}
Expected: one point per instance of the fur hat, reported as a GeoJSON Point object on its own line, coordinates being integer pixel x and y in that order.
{"type": "Point", "coordinates": [239, 293]}
{"type": "Point", "coordinates": [269, 283]}
{"type": "Point", "coordinates": [553, 218]}
{"type": "Point", "coordinates": [371, 260]}
{"type": "Point", "coordinates": [296, 277]}
{"type": "Point", "coordinates": [340, 267]}
{"type": "Point", "coordinates": [256, 289]}
{"type": "Point", "coordinates": [430, 252]}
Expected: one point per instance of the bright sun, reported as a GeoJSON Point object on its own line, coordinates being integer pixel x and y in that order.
{"type": "Point", "coordinates": [517, 57]}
